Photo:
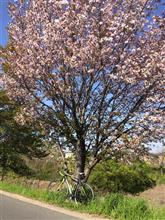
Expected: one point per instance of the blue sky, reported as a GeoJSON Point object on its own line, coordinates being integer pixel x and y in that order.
{"type": "Point", "coordinates": [4, 20]}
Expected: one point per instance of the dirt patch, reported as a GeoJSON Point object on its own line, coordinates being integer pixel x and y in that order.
{"type": "Point", "coordinates": [155, 195]}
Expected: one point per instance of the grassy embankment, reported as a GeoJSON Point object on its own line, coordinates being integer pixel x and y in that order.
{"type": "Point", "coordinates": [116, 206]}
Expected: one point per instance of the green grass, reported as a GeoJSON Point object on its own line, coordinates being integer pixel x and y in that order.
{"type": "Point", "coordinates": [116, 206]}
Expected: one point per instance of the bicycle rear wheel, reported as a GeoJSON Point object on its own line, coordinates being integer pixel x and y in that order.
{"type": "Point", "coordinates": [61, 187]}
{"type": "Point", "coordinates": [83, 193]}
{"type": "Point", "coordinates": [53, 186]}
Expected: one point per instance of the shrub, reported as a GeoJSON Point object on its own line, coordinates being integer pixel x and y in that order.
{"type": "Point", "coordinates": [111, 176]}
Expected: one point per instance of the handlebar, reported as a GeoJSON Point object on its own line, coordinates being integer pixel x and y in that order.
{"type": "Point", "coordinates": [66, 173]}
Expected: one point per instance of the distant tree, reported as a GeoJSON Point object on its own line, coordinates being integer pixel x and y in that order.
{"type": "Point", "coordinates": [162, 158]}
{"type": "Point", "coordinates": [91, 71]}
{"type": "Point", "coordinates": [17, 140]}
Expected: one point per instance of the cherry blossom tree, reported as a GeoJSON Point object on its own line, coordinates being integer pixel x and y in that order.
{"type": "Point", "coordinates": [91, 71]}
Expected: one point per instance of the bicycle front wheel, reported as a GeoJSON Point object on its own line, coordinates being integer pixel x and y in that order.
{"type": "Point", "coordinates": [83, 193]}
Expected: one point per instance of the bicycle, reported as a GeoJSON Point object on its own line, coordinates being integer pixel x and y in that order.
{"type": "Point", "coordinates": [79, 191]}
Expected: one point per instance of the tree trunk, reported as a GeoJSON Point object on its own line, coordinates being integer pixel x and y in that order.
{"type": "Point", "coordinates": [82, 172]}
{"type": "Point", "coordinates": [4, 166]}
{"type": "Point", "coordinates": [3, 173]}
{"type": "Point", "coordinates": [81, 159]}
{"type": "Point", "coordinates": [91, 167]}
{"type": "Point", "coordinates": [161, 166]}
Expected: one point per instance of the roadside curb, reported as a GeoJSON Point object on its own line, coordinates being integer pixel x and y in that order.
{"type": "Point", "coordinates": [83, 216]}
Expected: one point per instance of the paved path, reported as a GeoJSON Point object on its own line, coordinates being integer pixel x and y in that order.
{"type": "Point", "coordinates": [14, 209]}
{"type": "Point", "coordinates": [17, 207]}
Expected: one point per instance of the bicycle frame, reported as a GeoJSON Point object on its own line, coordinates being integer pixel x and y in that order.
{"type": "Point", "coordinates": [66, 182]}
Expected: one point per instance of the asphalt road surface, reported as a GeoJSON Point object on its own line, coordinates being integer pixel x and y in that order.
{"type": "Point", "coordinates": [13, 209]}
